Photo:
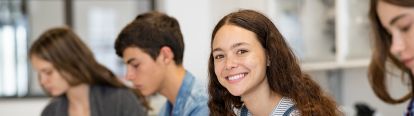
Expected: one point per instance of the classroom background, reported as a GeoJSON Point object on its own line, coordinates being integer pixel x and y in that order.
{"type": "Point", "coordinates": [331, 38]}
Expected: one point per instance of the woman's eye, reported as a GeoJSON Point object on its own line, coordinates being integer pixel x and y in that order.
{"type": "Point", "coordinates": [217, 57]}
{"type": "Point", "coordinates": [241, 51]}
{"type": "Point", "coordinates": [406, 28]}
{"type": "Point", "coordinates": [48, 73]}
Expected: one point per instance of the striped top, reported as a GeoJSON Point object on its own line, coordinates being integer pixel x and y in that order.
{"type": "Point", "coordinates": [284, 104]}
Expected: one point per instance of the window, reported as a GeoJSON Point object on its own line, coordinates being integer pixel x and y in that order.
{"type": "Point", "coordinates": [97, 22]}
{"type": "Point", "coordinates": [13, 49]}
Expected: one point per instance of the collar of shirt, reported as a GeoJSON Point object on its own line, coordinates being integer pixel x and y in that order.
{"type": "Point", "coordinates": [183, 94]}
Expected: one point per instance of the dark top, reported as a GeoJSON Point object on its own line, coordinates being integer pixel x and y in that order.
{"type": "Point", "coordinates": [103, 101]}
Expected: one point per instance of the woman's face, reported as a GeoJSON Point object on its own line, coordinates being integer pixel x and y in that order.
{"type": "Point", "coordinates": [399, 23]}
{"type": "Point", "coordinates": [239, 60]}
{"type": "Point", "coordinates": [50, 79]}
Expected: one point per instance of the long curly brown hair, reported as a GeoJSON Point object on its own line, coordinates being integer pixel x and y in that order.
{"type": "Point", "coordinates": [381, 54]}
{"type": "Point", "coordinates": [284, 73]}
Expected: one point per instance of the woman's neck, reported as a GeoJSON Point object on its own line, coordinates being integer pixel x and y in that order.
{"type": "Point", "coordinates": [78, 97]}
{"type": "Point", "coordinates": [261, 100]}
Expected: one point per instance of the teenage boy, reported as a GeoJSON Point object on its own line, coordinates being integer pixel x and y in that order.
{"type": "Point", "coordinates": [152, 47]}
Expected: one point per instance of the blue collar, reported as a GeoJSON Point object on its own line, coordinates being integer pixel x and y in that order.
{"type": "Point", "coordinates": [183, 93]}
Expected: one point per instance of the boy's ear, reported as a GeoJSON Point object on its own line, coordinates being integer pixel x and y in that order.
{"type": "Point", "coordinates": [166, 55]}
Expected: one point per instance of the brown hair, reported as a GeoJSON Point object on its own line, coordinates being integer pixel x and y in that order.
{"type": "Point", "coordinates": [151, 31]}
{"type": "Point", "coordinates": [284, 74]}
{"type": "Point", "coordinates": [69, 55]}
{"type": "Point", "coordinates": [381, 54]}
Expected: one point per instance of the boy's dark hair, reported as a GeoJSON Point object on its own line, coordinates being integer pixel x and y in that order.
{"type": "Point", "coordinates": [149, 32]}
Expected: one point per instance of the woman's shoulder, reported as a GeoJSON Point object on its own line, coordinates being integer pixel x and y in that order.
{"type": "Point", "coordinates": [286, 107]}
{"type": "Point", "coordinates": [114, 94]}
{"type": "Point", "coordinates": [57, 102]}
{"type": "Point", "coordinates": [56, 106]}
{"type": "Point", "coordinates": [109, 90]}
{"type": "Point", "coordinates": [116, 101]}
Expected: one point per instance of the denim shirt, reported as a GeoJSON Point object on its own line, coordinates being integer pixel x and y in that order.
{"type": "Point", "coordinates": [191, 99]}
{"type": "Point", "coordinates": [410, 108]}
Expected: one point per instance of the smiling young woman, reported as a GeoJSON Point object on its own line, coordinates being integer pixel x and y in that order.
{"type": "Point", "coordinates": [253, 71]}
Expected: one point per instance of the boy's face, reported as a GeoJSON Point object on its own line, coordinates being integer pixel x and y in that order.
{"type": "Point", "coordinates": [146, 74]}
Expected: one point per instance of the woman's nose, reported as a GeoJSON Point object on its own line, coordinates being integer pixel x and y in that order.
{"type": "Point", "coordinates": [397, 45]}
{"type": "Point", "coordinates": [230, 64]}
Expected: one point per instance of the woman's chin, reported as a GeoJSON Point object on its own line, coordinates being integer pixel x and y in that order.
{"type": "Point", "coordinates": [55, 94]}
{"type": "Point", "coordinates": [235, 92]}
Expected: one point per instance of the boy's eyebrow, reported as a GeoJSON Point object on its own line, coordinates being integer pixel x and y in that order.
{"type": "Point", "coordinates": [130, 60]}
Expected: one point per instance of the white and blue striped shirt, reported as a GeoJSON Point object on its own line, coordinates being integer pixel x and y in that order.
{"type": "Point", "coordinates": [284, 104]}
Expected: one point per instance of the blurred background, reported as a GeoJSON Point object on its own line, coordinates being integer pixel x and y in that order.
{"type": "Point", "coordinates": [330, 37]}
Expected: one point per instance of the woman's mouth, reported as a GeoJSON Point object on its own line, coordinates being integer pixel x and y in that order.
{"type": "Point", "coordinates": [236, 78]}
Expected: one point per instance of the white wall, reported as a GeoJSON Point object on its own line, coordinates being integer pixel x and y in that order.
{"type": "Point", "coordinates": [22, 106]}
{"type": "Point", "coordinates": [194, 18]}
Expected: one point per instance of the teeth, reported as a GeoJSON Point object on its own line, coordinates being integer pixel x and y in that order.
{"type": "Point", "coordinates": [235, 77]}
